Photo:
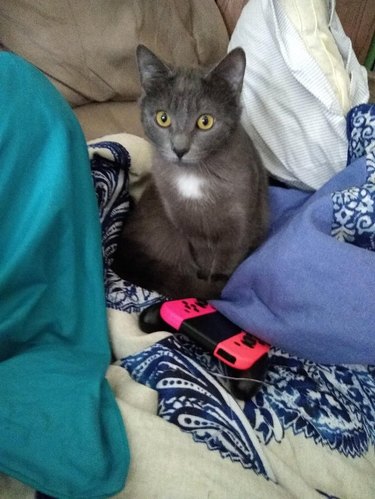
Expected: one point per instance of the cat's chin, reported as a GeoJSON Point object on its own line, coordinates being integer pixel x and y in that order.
{"type": "Point", "coordinates": [171, 158]}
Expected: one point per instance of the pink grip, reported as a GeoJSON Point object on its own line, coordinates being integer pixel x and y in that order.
{"type": "Point", "coordinates": [176, 311]}
{"type": "Point", "coordinates": [240, 351]}
{"type": "Point", "coordinates": [244, 356]}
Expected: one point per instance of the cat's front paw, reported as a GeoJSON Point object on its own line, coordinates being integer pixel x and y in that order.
{"type": "Point", "coordinates": [219, 277]}
{"type": "Point", "coordinates": [203, 275]}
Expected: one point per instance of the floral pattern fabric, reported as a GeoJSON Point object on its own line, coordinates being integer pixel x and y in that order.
{"type": "Point", "coordinates": [354, 208]}
{"type": "Point", "coordinates": [332, 407]}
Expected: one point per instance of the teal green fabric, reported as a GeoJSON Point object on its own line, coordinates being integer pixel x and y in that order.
{"type": "Point", "coordinates": [60, 428]}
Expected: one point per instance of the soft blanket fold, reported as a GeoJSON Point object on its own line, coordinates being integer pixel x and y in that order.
{"type": "Point", "coordinates": [306, 290]}
{"type": "Point", "coordinates": [61, 431]}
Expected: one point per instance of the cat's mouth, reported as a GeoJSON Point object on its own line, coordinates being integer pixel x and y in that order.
{"type": "Point", "coordinates": [180, 160]}
{"type": "Point", "coordinates": [171, 157]}
{"type": "Point", "coordinates": [176, 157]}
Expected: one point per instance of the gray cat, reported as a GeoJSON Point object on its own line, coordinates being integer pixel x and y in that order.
{"type": "Point", "coordinates": [206, 208]}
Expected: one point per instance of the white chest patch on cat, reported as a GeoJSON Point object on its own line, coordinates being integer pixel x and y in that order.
{"type": "Point", "coordinates": [190, 186]}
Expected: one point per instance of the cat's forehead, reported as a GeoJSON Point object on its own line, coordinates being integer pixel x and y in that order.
{"type": "Point", "coordinates": [187, 90]}
{"type": "Point", "coordinates": [186, 81]}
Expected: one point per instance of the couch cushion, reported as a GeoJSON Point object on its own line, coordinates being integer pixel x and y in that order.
{"type": "Point", "coordinates": [98, 119]}
{"type": "Point", "coordinates": [89, 52]}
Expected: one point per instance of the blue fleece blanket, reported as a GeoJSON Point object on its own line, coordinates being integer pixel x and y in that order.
{"type": "Point", "coordinates": [310, 288]}
{"type": "Point", "coordinates": [61, 430]}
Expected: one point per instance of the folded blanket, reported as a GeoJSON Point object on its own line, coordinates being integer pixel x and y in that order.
{"type": "Point", "coordinates": [116, 175]}
{"type": "Point", "coordinates": [61, 430]}
{"type": "Point", "coordinates": [306, 290]}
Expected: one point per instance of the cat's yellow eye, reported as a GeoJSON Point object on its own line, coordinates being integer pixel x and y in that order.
{"type": "Point", "coordinates": [205, 122]}
{"type": "Point", "coordinates": [163, 119]}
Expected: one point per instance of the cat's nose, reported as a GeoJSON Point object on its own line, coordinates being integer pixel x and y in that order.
{"type": "Point", "coordinates": [180, 151]}
{"type": "Point", "coordinates": [180, 144]}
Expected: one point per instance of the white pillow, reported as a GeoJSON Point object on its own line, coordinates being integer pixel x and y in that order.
{"type": "Point", "coordinates": [301, 78]}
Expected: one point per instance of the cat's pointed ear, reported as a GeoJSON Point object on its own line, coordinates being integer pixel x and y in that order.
{"type": "Point", "coordinates": [231, 69]}
{"type": "Point", "coordinates": [150, 67]}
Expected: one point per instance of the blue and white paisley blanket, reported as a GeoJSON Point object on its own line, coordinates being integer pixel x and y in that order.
{"type": "Point", "coordinates": [318, 418]}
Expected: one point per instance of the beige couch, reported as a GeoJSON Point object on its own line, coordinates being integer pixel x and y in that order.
{"type": "Point", "coordinates": [87, 49]}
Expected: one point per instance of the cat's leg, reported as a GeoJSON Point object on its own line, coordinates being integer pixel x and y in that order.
{"type": "Point", "coordinates": [215, 258]}
{"type": "Point", "coordinates": [202, 257]}
{"type": "Point", "coordinates": [153, 254]}
{"type": "Point", "coordinates": [134, 265]}
{"type": "Point", "coordinates": [170, 271]}
{"type": "Point", "coordinates": [205, 279]}
{"type": "Point", "coordinates": [229, 252]}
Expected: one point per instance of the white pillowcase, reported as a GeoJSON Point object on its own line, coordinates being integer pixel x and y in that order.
{"type": "Point", "coordinates": [301, 78]}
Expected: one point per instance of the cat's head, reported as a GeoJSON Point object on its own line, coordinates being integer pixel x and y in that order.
{"type": "Point", "coordinates": [190, 113]}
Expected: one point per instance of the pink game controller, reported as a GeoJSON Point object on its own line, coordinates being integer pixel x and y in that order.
{"type": "Point", "coordinates": [202, 323]}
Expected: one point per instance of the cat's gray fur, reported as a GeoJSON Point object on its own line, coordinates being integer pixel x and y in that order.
{"type": "Point", "coordinates": [183, 246]}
